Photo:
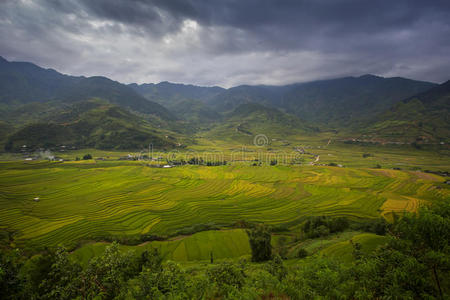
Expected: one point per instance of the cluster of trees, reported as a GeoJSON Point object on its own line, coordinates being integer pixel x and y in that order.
{"type": "Point", "coordinates": [319, 226]}
{"type": "Point", "coordinates": [414, 264]}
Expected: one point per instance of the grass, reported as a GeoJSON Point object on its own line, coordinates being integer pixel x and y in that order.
{"type": "Point", "coordinates": [91, 199]}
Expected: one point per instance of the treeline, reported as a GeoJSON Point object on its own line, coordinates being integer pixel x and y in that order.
{"type": "Point", "coordinates": [414, 264]}
{"type": "Point", "coordinates": [319, 226]}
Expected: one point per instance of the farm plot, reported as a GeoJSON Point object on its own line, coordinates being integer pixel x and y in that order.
{"type": "Point", "coordinates": [197, 247]}
{"type": "Point", "coordinates": [86, 201]}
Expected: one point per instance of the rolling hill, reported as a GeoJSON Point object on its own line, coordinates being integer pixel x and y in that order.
{"type": "Point", "coordinates": [166, 92]}
{"type": "Point", "coordinates": [23, 82]}
{"type": "Point", "coordinates": [251, 119]}
{"type": "Point", "coordinates": [187, 102]}
{"type": "Point", "coordinates": [421, 118]}
{"type": "Point", "coordinates": [31, 97]}
{"type": "Point", "coordinates": [93, 124]}
{"type": "Point", "coordinates": [334, 102]}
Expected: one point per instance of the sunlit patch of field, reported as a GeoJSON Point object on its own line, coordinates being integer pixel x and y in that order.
{"type": "Point", "coordinates": [400, 204]}
{"type": "Point", "coordinates": [88, 200]}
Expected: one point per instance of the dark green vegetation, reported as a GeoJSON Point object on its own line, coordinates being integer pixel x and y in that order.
{"type": "Point", "coordinates": [412, 264]}
{"type": "Point", "coordinates": [337, 101]}
{"type": "Point", "coordinates": [93, 123]}
{"type": "Point", "coordinates": [22, 82]}
{"type": "Point", "coordinates": [423, 117]}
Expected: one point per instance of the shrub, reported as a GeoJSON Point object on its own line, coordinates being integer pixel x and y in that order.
{"type": "Point", "coordinates": [302, 253]}
{"type": "Point", "coordinates": [259, 238]}
{"type": "Point", "coordinates": [322, 226]}
{"type": "Point", "coordinates": [276, 267]}
{"type": "Point", "coordinates": [226, 277]}
{"type": "Point", "coordinates": [87, 156]}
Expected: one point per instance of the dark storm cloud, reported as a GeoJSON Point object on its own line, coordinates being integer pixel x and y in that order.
{"type": "Point", "coordinates": [230, 42]}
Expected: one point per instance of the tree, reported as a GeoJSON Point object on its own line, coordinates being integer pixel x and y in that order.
{"type": "Point", "coordinates": [413, 263]}
{"type": "Point", "coordinates": [63, 281]}
{"type": "Point", "coordinates": [151, 259]}
{"type": "Point", "coordinates": [107, 274]}
{"type": "Point", "coordinates": [259, 238]}
{"type": "Point", "coordinates": [225, 277]}
{"type": "Point", "coordinates": [10, 282]}
{"type": "Point", "coordinates": [87, 156]}
{"type": "Point", "coordinates": [302, 253]}
{"type": "Point", "coordinates": [277, 268]}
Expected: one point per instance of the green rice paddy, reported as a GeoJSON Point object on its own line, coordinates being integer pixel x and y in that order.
{"type": "Point", "coordinates": [343, 250]}
{"type": "Point", "coordinates": [197, 247]}
{"type": "Point", "coordinates": [86, 200]}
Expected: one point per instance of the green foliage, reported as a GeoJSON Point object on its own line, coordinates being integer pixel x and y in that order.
{"type": "Point", "coordinates": [63, 281]}
{"type": "Point", "coordinates": [378, 226]}
{"type": "Point", "coordinates": [418, 119]}
{"type": "Point", "coordinates": [87, 156]}
{"type": "Point", "coordinates": [316, 278]}
{"type": "Point", "coordinates": [226, 277]}
{"type": "Point", "coordinates": [276, 267]}
{"type": "Point", "coordinates": [151, 259]}
{"type": "Point", "coordinates": [259, 238]}
{"type": "Point", "coordinates": [11, 263]}
{"type": "Point", "coordinates": [302, 253]}
{"type": "Point", "coordinates": [92, 123]}
{"type": "Point", "coordinates": [322, 226]}
{"type": "Point", "coordinates": [105, 275]}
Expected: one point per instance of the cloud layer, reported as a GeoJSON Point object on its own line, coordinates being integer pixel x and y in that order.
{"type": "Point", "coordinates": [221, 42]}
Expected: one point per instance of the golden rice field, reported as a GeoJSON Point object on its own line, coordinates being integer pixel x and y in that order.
{"type": "Point", "coordinates": [84, 200]}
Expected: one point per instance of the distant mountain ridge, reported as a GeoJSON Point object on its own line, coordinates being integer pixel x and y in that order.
{"type": "Point", "coordinates": [335, 102]}
{"type": "Point", "coordinates": [371, 105]}
{"type": "Point", "coordinates": [175, 91]}
{"type": "Point", "coordinates": [23, 82]}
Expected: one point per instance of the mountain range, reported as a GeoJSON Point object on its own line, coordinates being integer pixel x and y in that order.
{"type": "Point", "coordinates": [44, 108]}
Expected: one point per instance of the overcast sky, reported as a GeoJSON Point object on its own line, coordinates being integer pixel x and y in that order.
{"type": "Point", "coordinates": [227, 43]}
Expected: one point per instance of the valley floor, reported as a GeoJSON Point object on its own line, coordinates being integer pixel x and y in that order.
{"type": "Point", "coordinates": [49, 203]}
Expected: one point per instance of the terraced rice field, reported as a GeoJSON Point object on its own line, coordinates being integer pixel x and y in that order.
{"type": "Point", "coordinates": [88, 200]}
{"type": "Point", "coordinates": [197, 247]}
{"type": "Point", "coordinates": [343, 250]}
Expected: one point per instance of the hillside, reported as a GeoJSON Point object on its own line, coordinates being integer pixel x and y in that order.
{"type": "Point", "coordinates": [95, 124]}
{"type": "Point", "coordinates": [167, 92]}
{"type": "Point", "coordinates": [250, 119]}
{"type": "Point", "coordinates": [235, 96]}
{"type": "Point", "coordinates": [187, 102]}
{"type": "Point", "coordinates": [421, 118]}
{"type": "Point", "coordinates": [335, 102]}
{"type": "Point", "coordinates": [23, 82]}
